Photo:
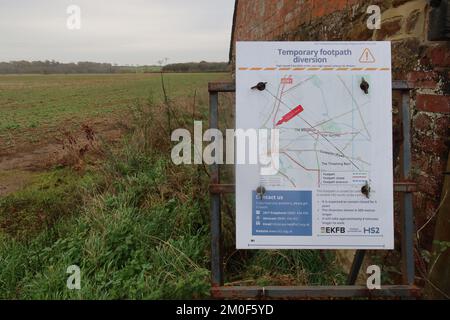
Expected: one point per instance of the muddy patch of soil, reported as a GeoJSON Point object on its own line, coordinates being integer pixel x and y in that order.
{"type": "Point", "coordinates": [66, 148]}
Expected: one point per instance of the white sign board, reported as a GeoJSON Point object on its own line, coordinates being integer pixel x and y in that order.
{"type": "Point", "coordinates": [332, 180]}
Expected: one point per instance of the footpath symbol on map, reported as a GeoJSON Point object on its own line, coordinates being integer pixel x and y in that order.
{"type": "Point", "coordinates": [291, 114]}
{"type": "Point", "coordinates": [288, 80]}
{"type": "Point", "coordinates": [367, 56]}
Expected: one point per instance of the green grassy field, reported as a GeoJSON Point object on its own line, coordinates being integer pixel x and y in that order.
{"type": "Point", "coordinates": [45, 101]}
{"type": "Point", "coordinates": [136, 224]}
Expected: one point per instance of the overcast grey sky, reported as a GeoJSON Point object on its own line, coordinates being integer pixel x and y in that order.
{"type": "Point", "coordinates": [116, 31]}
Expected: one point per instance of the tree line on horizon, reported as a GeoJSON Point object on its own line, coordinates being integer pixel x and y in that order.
{"type": "Point", "coordinates": [55, 67]}
{"type": "Point", "coordinates": [202, 66]}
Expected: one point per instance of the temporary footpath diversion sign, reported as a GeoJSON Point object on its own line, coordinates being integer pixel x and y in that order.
{"type": "Point", "coordinates": [327, 177]}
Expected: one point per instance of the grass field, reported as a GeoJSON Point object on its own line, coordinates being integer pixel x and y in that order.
{"type": "Point", "coordinates": [135, 224]}
{"type": "Point", "coordinates": [45, 102]}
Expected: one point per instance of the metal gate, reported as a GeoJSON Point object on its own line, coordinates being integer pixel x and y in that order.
{"type": "Point", "coordinates": [405, 187]}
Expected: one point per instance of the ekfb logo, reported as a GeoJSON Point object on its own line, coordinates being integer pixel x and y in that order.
{"type": "Point", "coordinates": [332, 229]}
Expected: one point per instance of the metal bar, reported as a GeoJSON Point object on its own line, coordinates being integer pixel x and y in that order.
{"type": "Point", "coordinates": [314, 292]}
{"type": "Point", "coordinates": [356, 266]}
{"type": "Point", "coordinates": [216, 221]}
{"type": "Point", "coordinates": [407, 222]}
{"type": "Point", "coordinates": [401, 85]}
{"type": "Point", "coordinates": [399, 186]}
{"type": "Point", "coordinates": [231, 86]}
{"type": "Point", "coordinates": [222, 188]}
{"type": "Point", "coordinates": [221, 87]}
{"type": "Point", "coordinates": [405, 186]}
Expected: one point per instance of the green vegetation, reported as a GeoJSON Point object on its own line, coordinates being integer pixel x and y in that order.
{"type": "Point", "coordinates": [136, 225]}
{"type": "Point", "coordinates": [55, 67]}
{"type": "Point", "coordinates": [52, 195]}
{"type": "Point", "coordinates": [128, 225]}
{"type": "Point", "coordinates": [37, 101]}
{"type": "Point", "coordinates": [137, 69]}
{"type": "Point", "coordinates": [128, 242]}
{"type": "Point", "coordinates": [202, 66]}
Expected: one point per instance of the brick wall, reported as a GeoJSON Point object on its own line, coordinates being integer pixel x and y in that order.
{"type": "Point", "coordinates": [424, 63]}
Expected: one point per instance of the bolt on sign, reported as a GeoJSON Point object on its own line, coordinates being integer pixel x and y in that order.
{"type": "Point", "coordinates": [332, 180]}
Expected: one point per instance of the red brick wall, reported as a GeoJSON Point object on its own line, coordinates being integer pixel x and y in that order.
{"type": "Point", "coordinates": [424, 63]}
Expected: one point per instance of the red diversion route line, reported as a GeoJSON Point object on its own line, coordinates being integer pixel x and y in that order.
{"type": "Point", "coordinates": [278, 106]}
{"type": "Point", "coordinates": [311, 126]}
{"type": "Point", "coordinates": [300, 165]}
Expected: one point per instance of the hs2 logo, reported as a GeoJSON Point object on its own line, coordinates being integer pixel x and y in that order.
{"type": "Point", "coordinates": [372, 230]}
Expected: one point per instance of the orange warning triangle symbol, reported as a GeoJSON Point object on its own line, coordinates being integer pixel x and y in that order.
{"type": "Point", "coordinates": [367, 56]}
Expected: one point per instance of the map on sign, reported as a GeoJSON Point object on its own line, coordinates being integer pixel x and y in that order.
{"type": "Point", "coordinates": [324, 125]}
{"type": "Point", "coordinates": [331, 104]}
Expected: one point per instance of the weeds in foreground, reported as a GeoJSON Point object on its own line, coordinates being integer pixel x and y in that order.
{"type": "Point", "coordinates": [138, 228]}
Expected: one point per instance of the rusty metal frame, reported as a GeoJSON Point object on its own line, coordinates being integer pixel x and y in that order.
{"type": "Point", "coordinates": [405, 187]}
